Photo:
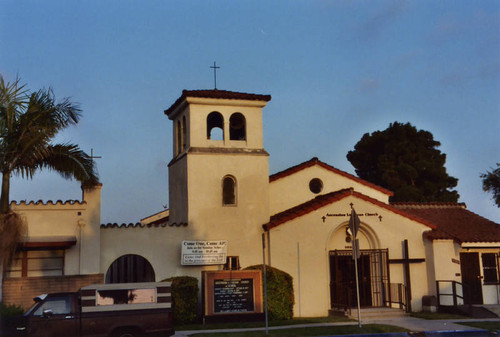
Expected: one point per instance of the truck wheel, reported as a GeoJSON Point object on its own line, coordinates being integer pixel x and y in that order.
{"type": "Point", "coordinates": [127, 333]}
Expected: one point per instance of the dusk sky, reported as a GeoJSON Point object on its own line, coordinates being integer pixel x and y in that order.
{"type": "Point", "coordinates": [335, 70]}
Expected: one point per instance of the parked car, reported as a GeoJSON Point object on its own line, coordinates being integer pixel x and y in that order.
{"type": "Point", "coordinates": [101, 310]}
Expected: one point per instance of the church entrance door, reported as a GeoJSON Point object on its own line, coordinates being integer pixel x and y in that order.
{"type": "Point", "coordinates": [471, 278]}
{"type": "Point", "coordinates": [372, 278]}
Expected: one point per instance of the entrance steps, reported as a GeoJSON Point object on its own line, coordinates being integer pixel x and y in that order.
{"type": "Point", "coordinates": [377, 313]}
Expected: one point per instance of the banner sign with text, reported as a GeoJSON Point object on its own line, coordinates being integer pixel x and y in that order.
{"type": "Point", "coordinates": [197, 253]}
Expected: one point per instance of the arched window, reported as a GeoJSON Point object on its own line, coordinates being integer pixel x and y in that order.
{"type": "Point", "coordinates": [237, 127]}
{"type": "Point", "coordinates": [215, 126]}
{"type": "Point", "coordinates": [229, 191]}
{"type": "Point", "coordinates": [130, 268]}
{"type": "Point", "coordinates": [184, 132]}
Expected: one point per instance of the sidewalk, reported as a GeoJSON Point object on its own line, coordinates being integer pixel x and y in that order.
{"type": "Point", "coordinates": [411, 323]}
{"type": "Point", "coordinates": [418, 325]}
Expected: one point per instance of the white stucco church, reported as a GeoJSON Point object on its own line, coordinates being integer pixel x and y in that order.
{"type": "Point", "coordinates": [220, 189]}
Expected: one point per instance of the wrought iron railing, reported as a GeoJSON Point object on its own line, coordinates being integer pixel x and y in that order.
{"type": "Point", "coordinates": [457, 291]}
{"type": "Point", "coordinates": [397, 296]}
{"type": "Point", "coordinates": [394, 295]}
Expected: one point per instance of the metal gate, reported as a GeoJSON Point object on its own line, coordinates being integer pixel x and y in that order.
{"type": "Point", "coordinates": [374, 279]}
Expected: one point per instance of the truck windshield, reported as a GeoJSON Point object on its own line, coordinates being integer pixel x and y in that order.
{"type": "Point", "coordinates": [30, 310]}
{"type": "Point", "coordinates": [59, 305]}
{"type": "Point", "coordinates": [37, 300]}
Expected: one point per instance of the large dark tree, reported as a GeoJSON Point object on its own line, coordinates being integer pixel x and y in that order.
{"type": "Point", "coordinates": [406, 161]}
{"type": "Point", "coordinates": [491, 183]}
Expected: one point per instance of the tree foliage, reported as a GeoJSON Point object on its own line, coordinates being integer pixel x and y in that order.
{"type": "Point", "coordinates": [491, 183]}
{"type": "Point", "coordinates": [406, 161]}
{"type": "Point", "coordinates": [280, 298]}
{"type": "Point", "coordinates": [28, 124]}
{"type": "Point", "coordinates": [184, 298]}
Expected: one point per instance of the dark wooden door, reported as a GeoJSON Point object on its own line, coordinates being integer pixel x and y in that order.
{"type": "Point", "coordinates": [471, 278]}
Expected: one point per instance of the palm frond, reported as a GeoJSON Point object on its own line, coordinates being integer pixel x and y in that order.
{"type": "Point", "coordinates": [12, 102]}
{"type": "Point", "coordinates": [28, 123]}
{"type": "Point", "coordinates": [49, 116]}
{"type": "Point", "coordinates": [70, 162]}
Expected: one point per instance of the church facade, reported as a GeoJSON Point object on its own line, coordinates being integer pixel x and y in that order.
{"type": "Point", "coordinates": [220, 190]}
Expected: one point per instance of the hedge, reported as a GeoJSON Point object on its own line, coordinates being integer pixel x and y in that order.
{"type": "Point", "coordinates": [184, 298]}
{"type": "Point", "coordinates": [280, 298]}
{"type": "Point", "coordinates": [7, 310]}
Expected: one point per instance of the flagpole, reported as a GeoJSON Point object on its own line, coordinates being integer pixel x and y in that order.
{"type": "Point", "coordinates": [355, 255]}
{"type": "Point", "coordinates": [354, 226]}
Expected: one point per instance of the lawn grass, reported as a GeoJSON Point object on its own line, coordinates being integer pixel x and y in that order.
{"type": "Point", "coordinates": [244, 325]}
{"type": "Point", "coordinates": [311, 331]}
{"type": "Point", "coordinates": [437, 315]}
{"type": "Point", "coordinates": [486, 325]}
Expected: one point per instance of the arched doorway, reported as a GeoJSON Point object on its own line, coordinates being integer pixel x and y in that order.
{"type": "Point", "coordinates": [373, 269]}
{"type": "Point", "coordinates": [130, 268]}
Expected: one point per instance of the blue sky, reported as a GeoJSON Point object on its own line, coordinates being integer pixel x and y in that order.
{"type": "Point", "coordinates": [335, 70]}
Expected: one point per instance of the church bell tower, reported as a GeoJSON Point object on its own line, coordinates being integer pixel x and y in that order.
{"type": "Point", "coordinates": [219, 173]}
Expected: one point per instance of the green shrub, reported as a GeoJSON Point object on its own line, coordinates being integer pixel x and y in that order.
{"type": "Point", "coordinates": [7, 310]}
{"type": "Point", "coordinates": [280, 298]}
{"type": "Point", "coordinates": [184, 298]}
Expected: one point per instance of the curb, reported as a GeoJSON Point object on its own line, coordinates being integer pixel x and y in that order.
{"type": "Point", "coordinates": [449, 333]}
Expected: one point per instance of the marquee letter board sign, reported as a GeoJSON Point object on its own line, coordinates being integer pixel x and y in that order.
{"type": "Point", "coordinates": [199, 253]}
{"type": "Point", "coordinates": [230, 292]}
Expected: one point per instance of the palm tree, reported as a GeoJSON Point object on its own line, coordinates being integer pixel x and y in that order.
{"type": "Point", "coordinates": [28, 123]}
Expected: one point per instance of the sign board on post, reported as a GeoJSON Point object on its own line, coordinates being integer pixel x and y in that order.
{"type": "Point", "coordinates": [230, 293]}
{"type": "Point", "coordinates": [198, 253]}
{"type": "Point", "coordinates": [233, 295]}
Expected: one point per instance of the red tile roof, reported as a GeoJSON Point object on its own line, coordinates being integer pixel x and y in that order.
{"type": "Point", "coordinates": [329, 198]}
{"type": "Point", "coordinates": [453, 222]}
{"type": "Point", "coordinates": [157, 223]}
{"type": "Point", "coordinates": [215, 93]}
{"type": "Point", "coordinates": [49, 202]}
{"type": "Point", "coordinates": [316, 161]}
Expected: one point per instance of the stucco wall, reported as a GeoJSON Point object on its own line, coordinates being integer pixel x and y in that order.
{"type": "Point", "coordinates": [240, 224]}
{"type": "Point", "coordinates": [294, 189]}
{"type": "Point", "coordinates": [80, 219]}
{"type": "Point", "coordinates": [161, 246]}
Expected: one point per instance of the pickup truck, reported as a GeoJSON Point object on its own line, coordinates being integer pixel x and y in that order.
{"type": "Point", "coordinates": [103, 310]}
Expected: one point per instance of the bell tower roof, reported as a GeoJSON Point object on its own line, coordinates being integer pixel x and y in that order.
{"type": "Point", "coordinates": [213, 94]}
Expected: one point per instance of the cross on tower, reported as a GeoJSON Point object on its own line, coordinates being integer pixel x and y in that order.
{"type": "Point", "coordinates": [214, 67]}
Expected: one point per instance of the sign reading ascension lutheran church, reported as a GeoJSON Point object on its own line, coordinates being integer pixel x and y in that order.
{"type": "Point", "coordinates": [196, 253]}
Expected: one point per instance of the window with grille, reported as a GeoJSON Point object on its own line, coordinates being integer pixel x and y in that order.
{"type": "Point", "coordinates": [30, 263]}
{"type": "Point", "coordinates": [490, 267]}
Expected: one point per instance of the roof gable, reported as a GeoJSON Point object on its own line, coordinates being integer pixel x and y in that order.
{"type": "Point", "coordinates": [329, 198]}
{"type": "Point", "coordinates": [316, 161]}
